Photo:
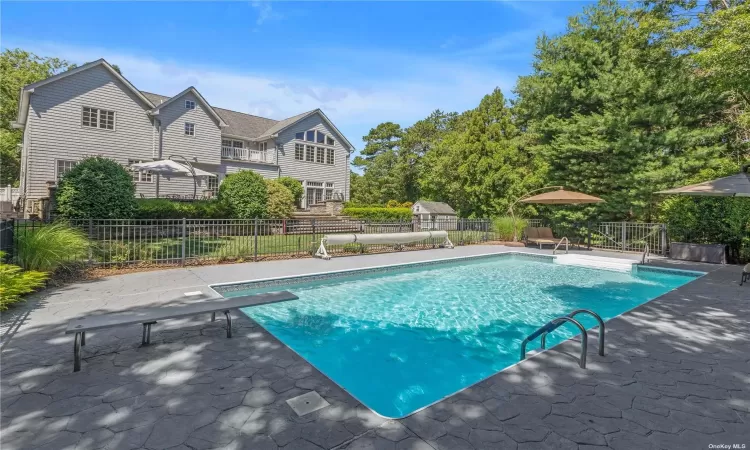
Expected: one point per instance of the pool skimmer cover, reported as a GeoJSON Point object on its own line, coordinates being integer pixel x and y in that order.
{"type": "Point", "coordinates": [307, 403]}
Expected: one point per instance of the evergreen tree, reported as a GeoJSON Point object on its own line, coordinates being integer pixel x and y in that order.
{"type": "Point", "coordinates": [616, 111]}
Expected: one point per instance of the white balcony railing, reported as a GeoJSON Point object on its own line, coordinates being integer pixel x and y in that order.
{"type": "Point", "coordinates": [246, 154]}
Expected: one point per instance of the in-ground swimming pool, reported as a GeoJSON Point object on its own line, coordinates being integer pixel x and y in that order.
{"type": "Point", "coordinates": [401, 338]}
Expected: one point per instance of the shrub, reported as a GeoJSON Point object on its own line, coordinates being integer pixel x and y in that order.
{"type": "Point", "coordinates": [51, 247]}
{"type": "Point", "coordinates": [245, 193]}
{"type": "Point", "coordinates": [294, 186]}
{"type": "Point", "coordinates": [393, 204]}
{"type": "Point", "coordinates": [280, 201]}
{"type": "Point", "coordinates": [503, 227]}
{"type": "Point", "coordinates": [159, 208]}
{"type": "Point", "coordinates": [385, 214]}
{"type": "Point", "coordinates": [96, 188]}
{"type": "Point", "coordinates": [14, 283]}
{"type": "Point", "coordinates": [407, 204]}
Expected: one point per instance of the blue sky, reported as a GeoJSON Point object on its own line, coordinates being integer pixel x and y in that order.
{"type": "Point", "coordinates": [362, 63]}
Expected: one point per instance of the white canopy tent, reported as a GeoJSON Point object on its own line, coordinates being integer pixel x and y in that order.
{"type": "Point", "coordinates": [170, 167]}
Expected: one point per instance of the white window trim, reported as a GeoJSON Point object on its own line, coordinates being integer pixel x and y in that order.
{"type": "Point", "coordinates": [57, 167]}
{"type": "Point", "coordinates": [315, 138]}
{"type": "Point", "coordinates": [88, 127]}
{"type": "Point", "coordinates": [190, 102]}
{"type": "Point", "coordinates": [140, 174]}
{"type": "Point", "coordinates": [184, 129]}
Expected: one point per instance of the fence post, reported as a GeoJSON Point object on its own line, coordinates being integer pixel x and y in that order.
{"type": "Point", "coordinates": [184, 237]}
{"type": "Point", "coordinates": [624, 235]}
{"type": "Point", "coordinates": [663, 238]}
{"type": "Point", "coordinates": [255, 245]}
{"type": "Point", "coordinates": [461, 226]}
{"type": "Point", "coordinates": [7, 239]}
{"type": "Point", "coordinates": [588, 225]}
{"type": "Point", "coordinates": [91, 238]}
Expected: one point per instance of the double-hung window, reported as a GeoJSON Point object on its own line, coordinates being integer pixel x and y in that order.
{"type": "Point", "coordinates": [309, 153]}
{"type": "Point", "coordinates": [98, 118]}
{"type": "Point", "coordinates": [263, 146]}
{"type": "Point", "coordinates": [140, 176]}
{"type": "Point", "coordinates": [319, 155]}
{"type": "Point", "coordinates": [64, 166]}
{"type": "Point", "coordinates": [329, 156]}
{"type": "Point", "coordinates": [189, 104]}
{"type": "Point", "coordinates": [299, 152]}
{"type": "Point", "coordinates": [189, 129]}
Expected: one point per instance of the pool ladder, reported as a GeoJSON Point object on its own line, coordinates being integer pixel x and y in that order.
{"type": "Point", "coordinates": [554, 324]}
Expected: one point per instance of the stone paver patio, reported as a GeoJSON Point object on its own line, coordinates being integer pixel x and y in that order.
{"type": "Point", "coordinates": [676, 376]}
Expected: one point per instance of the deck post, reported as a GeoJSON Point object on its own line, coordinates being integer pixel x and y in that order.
{"type": "Point", "coordinates": [624, 235]}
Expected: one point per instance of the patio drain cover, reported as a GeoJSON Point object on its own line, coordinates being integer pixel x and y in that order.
{"type": "Point", "coordinates": [307, 403]}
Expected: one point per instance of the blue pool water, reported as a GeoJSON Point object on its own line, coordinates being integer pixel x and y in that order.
{"type": "Point", "coordinates": [401, 340]}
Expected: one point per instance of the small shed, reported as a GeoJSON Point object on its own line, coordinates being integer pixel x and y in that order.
{"type": "Point", "coordinates": [434, 215]}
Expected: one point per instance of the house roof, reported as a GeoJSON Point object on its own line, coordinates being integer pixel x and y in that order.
{"type": "Point", "coordinates": [436, 207]}
{"type": "Point", "coordinates": [194, 91]}
{"type": "Point", "coordinates": [26, 91]}
{"type": "Point", "coordinates": [282, 124]}
{"type": "Point", "coordinates": [244, 125]}
{"type": "Point", "coordinates": [233, 123]}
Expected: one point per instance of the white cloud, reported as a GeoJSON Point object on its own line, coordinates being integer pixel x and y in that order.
{"type": "Point", "coordinates": [403, 88]}
{"type": "Point", "coordinates": [265, 12]}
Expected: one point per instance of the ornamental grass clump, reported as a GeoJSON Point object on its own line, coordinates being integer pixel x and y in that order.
{"type": "Point", "coordinates": [51, 247]}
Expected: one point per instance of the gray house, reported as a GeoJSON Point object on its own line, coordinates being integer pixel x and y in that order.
{"type": "Point", "coordinates": [93, 110]}
{"type": "Point", "coordinates": [434, 215]}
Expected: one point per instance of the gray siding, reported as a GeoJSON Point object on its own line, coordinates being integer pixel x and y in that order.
{"type": "Point", "coordinates": [54, 129]}
{"type": "Point", "coordinates": [338, 173]}
{"type": "Point", "coordinates": [205, 145]}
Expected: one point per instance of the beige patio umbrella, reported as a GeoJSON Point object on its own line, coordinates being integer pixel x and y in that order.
{"type": "Point", "coordinates": [556, 197]}
{"type": "Point", "coordinates": [562, 197]}
{"type": "Point", "coordinates": [732, 186]}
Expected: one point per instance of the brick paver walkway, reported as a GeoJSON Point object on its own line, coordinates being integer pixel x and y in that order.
{"type": "Point", "coordinates": [676, 376]}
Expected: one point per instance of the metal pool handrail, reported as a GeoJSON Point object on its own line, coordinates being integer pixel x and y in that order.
{"type": "Point", "coordinates": [551, 326]}
{"type": "Point", "coordinates": [598, 319]}
{"type": "Point", "coordinates": [567, 242]}
{"type": "Point", "coordinates": [646, 252]}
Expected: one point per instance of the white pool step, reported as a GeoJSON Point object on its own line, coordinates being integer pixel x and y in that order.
{"type": "Point", "coordinates": [596, 262]}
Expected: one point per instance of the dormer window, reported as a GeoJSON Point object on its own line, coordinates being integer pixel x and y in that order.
{"type": "Point", "coordinates": [189, 104]}
{"type": "Point", "coordinates": [310, 136]}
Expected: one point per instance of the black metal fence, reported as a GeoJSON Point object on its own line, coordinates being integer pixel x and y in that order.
{"type": "Point", "coordinates": [202, 241]}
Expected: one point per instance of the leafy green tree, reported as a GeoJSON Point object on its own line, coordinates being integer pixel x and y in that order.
{"type": "Point", "coordinates": [280, 201]}
{"type": "Point", "coordinates": [294, 186]}
{"type": "Point", "coordinates": [481, 168]}
{"type": "Point", "coordinates": [720, 44]}
{"type": "Point", "coordinates": [18, 68]}
{"type": "Point", "coordinates": [96, 188]}
{"type": "Point", "coordinates": [246, 194]}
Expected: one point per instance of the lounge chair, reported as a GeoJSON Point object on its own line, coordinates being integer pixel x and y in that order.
{"type": "Point", "coordinates": [745, 274]}
{"type": "Point", "coordinates": [540, 236]}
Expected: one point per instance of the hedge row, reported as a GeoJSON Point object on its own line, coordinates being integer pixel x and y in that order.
{"type": "Point", "coordinates": [159, 208]}
{"type": "Point", "coordinates": [378, 213]}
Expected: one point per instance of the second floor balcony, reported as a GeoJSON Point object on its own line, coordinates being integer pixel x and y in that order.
{"type": "Point", "coordinates": [246, 154]}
